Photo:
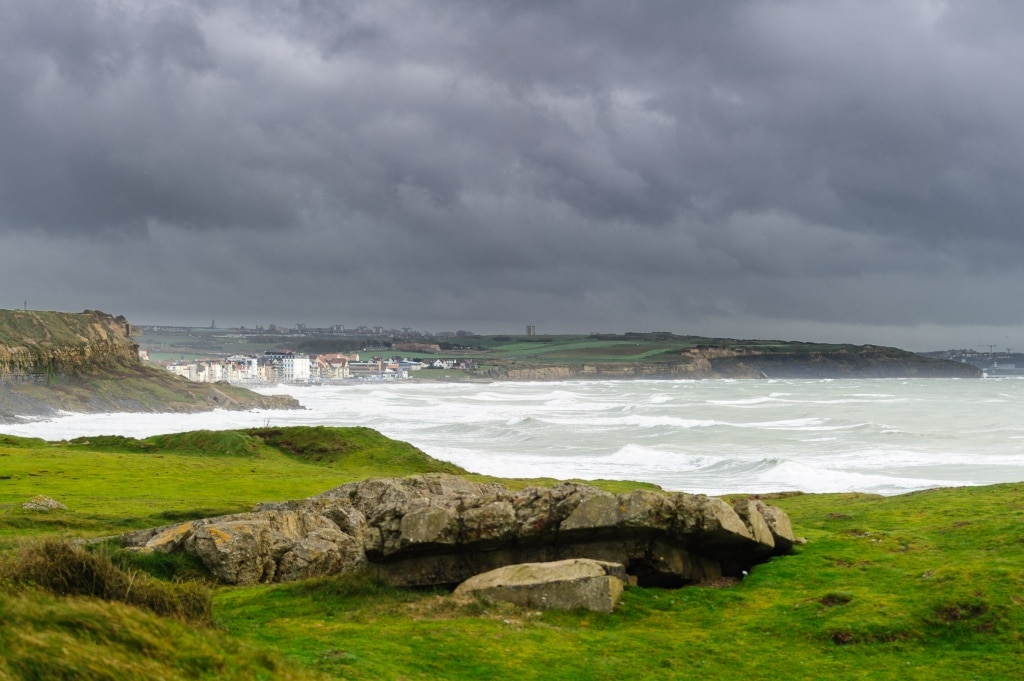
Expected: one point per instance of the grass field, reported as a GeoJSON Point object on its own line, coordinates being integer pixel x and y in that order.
{"type": "Point", "coordinates": [921, 586]}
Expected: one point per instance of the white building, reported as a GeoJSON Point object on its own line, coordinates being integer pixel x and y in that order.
{"type": "Point", "coordinates": [295, 368]}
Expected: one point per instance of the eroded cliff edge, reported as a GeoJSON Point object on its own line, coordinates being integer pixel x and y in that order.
{"type": "Point", "coordinates": [88, 362]}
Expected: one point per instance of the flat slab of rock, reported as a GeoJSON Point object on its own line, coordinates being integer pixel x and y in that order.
{"type": "Point", "coordinates": [558, 585]}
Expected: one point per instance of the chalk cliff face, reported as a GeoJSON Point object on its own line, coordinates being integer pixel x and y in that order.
{"type": "Point", "coordinates": [88, 362]}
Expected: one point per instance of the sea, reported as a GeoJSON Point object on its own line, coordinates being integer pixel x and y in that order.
{"type": "Point", "coordinates": [881, 436]}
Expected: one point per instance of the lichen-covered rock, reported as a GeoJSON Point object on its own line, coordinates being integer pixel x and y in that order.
{"type": "Point", "coordinates": [439, 530]}
{"type": "Point", "coordinates": [425, 523]}
{"type": "Point", "coordinates": [596, 511]}
{"type": "Point", "coordinates": [641, 510]}
{"type": "Point", "coordinates": [236, 552]}
{"type": "Point", "coordinates": [490, 522]}
{"type": "Point", "coordinates": [169, 539]}
{"type": "Point", "coordinates": [779, 525]}
{"type": "Point", "coordinates": [753, 518]}
{"type": "Point", "coordinates": [560, 585]}
{"type": "Point", "coordinates": [264, 547]}
{"type": "Point", "coordinates": [540, 511]}
{"type": "Point", "coordinates": [321, 552]}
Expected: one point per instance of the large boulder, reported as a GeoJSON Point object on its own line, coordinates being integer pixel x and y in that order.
{"type": "Point", "coordinates": [266, 546]}
{"type": "Point", "coordinates": [439, 530]}
{"type": "Point", "coordinates": [559, 585]}
{"type": "Point", "coordinates": [778, 524]}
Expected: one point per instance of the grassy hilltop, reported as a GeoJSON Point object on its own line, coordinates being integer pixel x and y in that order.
{"type": "Point", "coordinates": [920, 586]}
{"type": "Point", "coordinates": [668, 355]}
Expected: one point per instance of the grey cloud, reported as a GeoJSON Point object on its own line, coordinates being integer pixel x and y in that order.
{"type": "Point", "coordinates": [682, 165]}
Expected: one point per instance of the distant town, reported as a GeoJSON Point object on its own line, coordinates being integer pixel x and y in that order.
{"type": "Point", "coordinates": [990, 360]}
{"type": "Point", "coordinates": [384, 354]}
{"type": "Point", "coordinates": [289, 367]}
{"type": "Point", "coordinates": [306, 355]}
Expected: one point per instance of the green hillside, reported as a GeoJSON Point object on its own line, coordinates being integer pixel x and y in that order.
{"type": "Point", "coordinates": [921, 586]}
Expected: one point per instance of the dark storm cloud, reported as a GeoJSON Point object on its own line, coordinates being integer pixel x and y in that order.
{"type": "Point", "coordinates": [694, 166]}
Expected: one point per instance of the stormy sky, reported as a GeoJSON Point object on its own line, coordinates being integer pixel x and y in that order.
{"type": "Point", "coordinates": [839, 171]}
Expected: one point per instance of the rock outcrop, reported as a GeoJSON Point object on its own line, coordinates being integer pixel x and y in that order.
{"type": "Point", "coordinates": [439, 530]}
{"type": "Point", "coordinates": [559, 585]}
{"type": "Point", "coordinates": [41, 502]}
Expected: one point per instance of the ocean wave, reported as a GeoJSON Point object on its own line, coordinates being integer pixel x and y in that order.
{"type": "Point", "coordinates": [632, 420]}
{"type": "Point", "coordinates": [883, 436]}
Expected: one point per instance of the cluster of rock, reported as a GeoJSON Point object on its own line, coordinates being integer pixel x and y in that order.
{"type": "Point", "coordinates": [439, 530]}
{"type": "Point", "coordinates": [41, 502]}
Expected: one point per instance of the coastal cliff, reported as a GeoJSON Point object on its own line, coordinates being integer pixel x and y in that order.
{"type": "Point", "coordinates": [36, 346]}
{"type": "Point", "coordinates": [709, 362]}
{"type": "Point", "coordinates": [867, 361]}
{"type": "Point", "coordinates": [88, 362]}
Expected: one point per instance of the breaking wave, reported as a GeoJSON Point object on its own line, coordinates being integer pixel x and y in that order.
{"type": "Point", "coordinates": [714, 437]}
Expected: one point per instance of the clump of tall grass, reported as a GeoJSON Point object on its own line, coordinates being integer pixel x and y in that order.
{"type": "Point", "coordinates": [43, 636]}
{"type": "Point", "coordinates": [67, 569]}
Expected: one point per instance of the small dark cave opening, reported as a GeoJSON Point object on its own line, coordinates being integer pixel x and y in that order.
{"type": "Point", "coordinates": [647, 575]}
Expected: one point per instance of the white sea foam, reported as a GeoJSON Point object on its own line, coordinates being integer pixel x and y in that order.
{"type": "Point", "coordinates": [746, 402]}
{"type": "Point", "coordinates": [882, 436]}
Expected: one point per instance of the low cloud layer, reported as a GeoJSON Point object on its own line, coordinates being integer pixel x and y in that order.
{"type": "Point", "coordinates": [793, 169]}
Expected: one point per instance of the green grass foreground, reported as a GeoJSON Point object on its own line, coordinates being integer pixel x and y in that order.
{"type": "Point", "coordinates": [920, 586]}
